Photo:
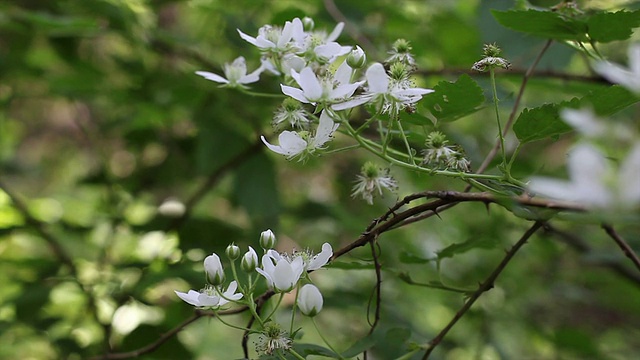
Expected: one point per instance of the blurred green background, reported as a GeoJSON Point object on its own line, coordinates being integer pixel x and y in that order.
{"type": "Point", "coordinates": [102, 119]}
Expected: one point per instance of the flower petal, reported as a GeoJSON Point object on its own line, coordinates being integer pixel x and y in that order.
{"type": "Point", "coordinates": [377, 79]}
{"type": "Point", "coordinates": [294, 93]}
{"type": "Point", "coordinates": [322, 258]}
{"type": "Point", "coordinates": [213, 77]}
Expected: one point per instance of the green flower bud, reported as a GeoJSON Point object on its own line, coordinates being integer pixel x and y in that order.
{"type": "Point", "coordinates": [232, 251]}
{"type": "Point", "coordinates": [267, 239]}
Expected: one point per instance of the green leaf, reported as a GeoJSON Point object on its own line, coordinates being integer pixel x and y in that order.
{"type": "Point", "coordinates": [608, 101]}
{"type": "Point", "coordinates": [409, 258]}
{"type": "Point", "coordinates": [608, 26]}
{"type": "Point", "coordinates": [539, 123]}
{"type": "Point", "coordinates": [312, 349]}
{"type": "Point", "coordinates": [361, 345]}
{"type": "Point", "coordinates": [546, 24]}
{"type": "Point", "coordinates": [459, 248]}
{"type": "Point", "coordinates": [256, 190]}
{"type": "Point", "coordinates": [452, 100]}
{"type": "Point", "coordinates": [544, 121]}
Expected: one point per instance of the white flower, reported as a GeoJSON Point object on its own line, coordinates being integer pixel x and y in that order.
{"type": "Point", "coordinates": [292, 144]}
{"type": "Point", "coordinates": [281, 274]}
{"type": "Point", "coordinates": [629, 78]}
{"type": "Point", "coordinates": [593, 182]}
{"type": "Point", "coordinates": [210, 296]}
{"type": "Point", "coordinates": [320, 47]}
{"type": "Point", "coordinates": [372, 179]}
{"type": "Point", "coordinates": [249, 261]}
{"type": "Point", "coordinates": [327, 90]}
{"type": "Point", "coordinates": [310, 300]}
{"type": "Point", "coordinates": [387, 95]}
{"type": "Point", "coordinates": [236, 74]}
{"type": "Point", "coordinates": [275, 39]}
{"type": "Point", "coordinates": [213, 269]}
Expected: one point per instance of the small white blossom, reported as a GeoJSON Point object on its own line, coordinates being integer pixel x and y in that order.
{"type": "Point", "coordinates": [387, 95]}
{"type": "Point", "coordinates": [629, 78]}
{"type": "Point", "coordinates": [281, 274]}
{"type": "Point", "coordinates": [267, 239]}
{"type": "Point", "coordinates": [249, 261]}
{"type": "Point", "coordinates": [325, 90]}
{"type": "Point", "coordinates": [211, 296]}
{"type": "Point", "coordinates": [236, 74]}
{"type": "Point", "coordinates": [275, 39]}
{"type": "Point", "coordinates": [292, 144]}
{"type": "Point", "coordinates": [310, 300]}
{"type": "Point", "coordinates": [591, 126]}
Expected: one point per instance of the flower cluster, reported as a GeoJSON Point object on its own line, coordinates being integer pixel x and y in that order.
{"type": "Point", "coordinates": [282, 272]}
{"type": "Point", "coordinates": [439, 155]}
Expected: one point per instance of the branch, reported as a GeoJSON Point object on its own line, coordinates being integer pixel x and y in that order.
{"type": "Point", "coordinates": [626, 249]}
{"type": "Point", "coordinates": [378, 287]}
{"type": "Point", "coordinates": [485, 286]}
{"type": "Point", "coordinates": [583, 247]}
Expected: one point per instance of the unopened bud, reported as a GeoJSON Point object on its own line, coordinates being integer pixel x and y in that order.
{"type": "Point", "coordinates": [233, 252]}
{"type": "Point", "coordinates": [356, 58]}
{"type": "Point", "coordinates": [267, 239]}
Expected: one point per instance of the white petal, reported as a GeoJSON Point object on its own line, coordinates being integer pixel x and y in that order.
{"type": "Point", "coordinates": [321, 259]}
{"type": "Point", "coordinates": [618, 75]}
{"type": "Point", "coordinates": [343, 74]}
{"type": "Point", "coordinates": [283, 276]}
{"type": "Point", "coordinates": [276, 149]}
{"type": "Point", "coordinates": [634, 59]}
{"type": "Point", "coordinates": [190, 298]}
{"type": "Point", "coordinates": [377, 79]}
{"type": "Point", "coordinates": [292, 143]}
{"type": "Point", "coordinates": [206, 300]}
{"type": "Point", "coordinates": [249, 39]}
{"type": "Point", "coordinates": [336, 32]}
{"type": "Point", "coordinates": [326, 128]}
{"type": "Point", "coordinates": [294, 93]}
{"type": "Point", "coordinates": [310, 84]}
{"type": "Point", "coordinates": [345, 90]}
{"type": "Point", "coordinates": [329, 50]}
{"type": "Point", "coordinates": [351, 103]}
{"type": "Point", "coordinates": [584, 121]}
{"type": "Point", "coordinates": [213, 77]}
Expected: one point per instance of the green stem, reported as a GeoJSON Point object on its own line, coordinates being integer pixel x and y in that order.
{"type": "Point", "coordinates": [257, 94]}
{"type": "Point", "coordinates": [275, 307]}
{"type": "Point", "coordinates": [293, 309]}
{"type": "Point", "coordinates": [231, 325]}
{"type": "Point", "coordinates": [406, 143]}
{"type": "Point", "coordinates": [252, 308]}
{"type": "Point", "coordinates": [366, 124]}
{"type": "Point", "coordinates": [295, 354]}
{"type": "Point", "coordinates": [497, 109]}
{"type": "Point", "coordinates": [313, 320]}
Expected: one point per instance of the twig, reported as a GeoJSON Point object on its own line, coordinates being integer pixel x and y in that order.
{"type": "Point", "coordinates": [485, 286]}
{"type": "Point", "coordinates": [583, 247]}
{"type": "Point", "coordinates": [378, 288]}
{"type": "Point", "coordinates": [626, 249]}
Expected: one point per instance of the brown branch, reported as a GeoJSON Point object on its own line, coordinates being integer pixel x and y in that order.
{"type": "Point", "coordinates": [626, 249]}
{"type": "Point", "coordinates": [378, 287]}
{"type": "Point", "coordinates": [484, 286]}
{"type": "Point", "coordinates": [581, 246]}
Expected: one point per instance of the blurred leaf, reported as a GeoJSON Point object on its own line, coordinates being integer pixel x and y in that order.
{"type": "Point", "coordinates": [361, 345]}
{"type": "Point", "coordinates": [609, 26]}
{"type": "Point", "coordinates": [460, 248]}
{"type": "Point", "coordinates": [544, 121]}
{"type": "Point", "coordinates": [410, 258]}
{"type": "Point", "coordinates": [453, 100]}
{"type": "Point", "coordinates": [256, 190]}
{"type": "Point", "coordinates": [577, 341]}
{"type": "Point", "coordinates": [546, 24]}
{"type": "Point", "coordinates": [312, 349]}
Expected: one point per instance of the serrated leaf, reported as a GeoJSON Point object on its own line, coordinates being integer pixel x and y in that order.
{"type": "Point", "coordinates": [608, 26]}
{"type": "Point", "coordinates": [546, 24]}
{"type": "Point", "coordinates": [459, 248]}
{"type": "Point", "coordinates": [452, 100]}
{"type": "Point", "coordinates": [539, 123]}
{"type": "Point", "coordinates": [608, 101]}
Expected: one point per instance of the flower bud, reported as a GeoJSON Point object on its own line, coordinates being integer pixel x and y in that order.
{"type": "Point", "coordinates": [233, 252]}
{"type": "Point", "coordinates": [308, 23]}
{"type": "Point", "coordinates": [249, 261]}
{"type": "Point", "coordinates": [213, 269]}
{"type": "Point", "coordinates": [267, 239]}
{"type": "Point", "coordinates": [310, 300]}
{"type": "Point", "coordinates": [356, 58]}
